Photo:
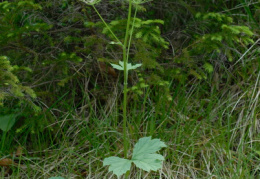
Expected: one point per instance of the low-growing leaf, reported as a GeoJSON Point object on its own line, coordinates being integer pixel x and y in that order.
{"type": "Point", "coordinates": [146, 145]}
{"type": "Point", "coordinates": [7, 122]}
{"type": "Point", "coordinates": [149, 162]}
{"type": "Point", "coordinates": [117, 165]}
{"type": "Point", "coordinates": [144, 155]}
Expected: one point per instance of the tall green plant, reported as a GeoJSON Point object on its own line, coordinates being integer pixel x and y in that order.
{"type": "Point", "coordinates": [144, 152]}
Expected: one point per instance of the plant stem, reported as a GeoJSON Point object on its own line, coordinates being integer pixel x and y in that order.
{"type": "Point", "coordinates": [125, 59]}
{"type": "Point", "coordinates": [131, 34]}
{"type": "Point", "coordinates": [106, 25]}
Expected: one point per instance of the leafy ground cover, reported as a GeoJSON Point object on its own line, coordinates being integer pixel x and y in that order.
{"type": "Point", "coordinates": [61, 102]}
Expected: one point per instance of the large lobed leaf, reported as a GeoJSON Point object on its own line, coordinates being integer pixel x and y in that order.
{"type": "Point", "coordinates": [144, 154]}
{"type": "Point", "coordinates": [144, 157]}
{"type": "Point", "coordinates": [117, 165]}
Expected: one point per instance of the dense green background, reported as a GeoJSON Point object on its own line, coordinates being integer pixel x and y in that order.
{"type": "Point", "coordinates": [197, 90]}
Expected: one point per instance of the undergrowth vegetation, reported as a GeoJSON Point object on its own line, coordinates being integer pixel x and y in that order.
{"type": "Point", "coordinates": [61, 100]}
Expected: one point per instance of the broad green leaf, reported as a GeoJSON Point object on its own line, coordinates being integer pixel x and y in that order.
{"type": "Point", "coordinates": [144, 155]}
{"type": "Point", "coordinates": [56, 178]}
{"type": "Point", "coordinates": [149, 162]}
{"type": "Point", "coordinates": [146, 145]}
{"type": "Point", "coordinates": [7, 122]}
{"type": "Point", "coordinates": [117, 165]}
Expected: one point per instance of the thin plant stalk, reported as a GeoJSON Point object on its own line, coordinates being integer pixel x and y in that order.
{"type": "Point", "coordinates": [106, 24]}
{"type": "Point", "coordinates": [125, 59]}
{"type": "Point", "coordinates": [126, 48]}
{"type": "Point", "coordinates": [131, 34]}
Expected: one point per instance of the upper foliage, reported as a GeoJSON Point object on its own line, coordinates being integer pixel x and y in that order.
{"type": "Point", "coordinates": [147, 43]}
{"type": "Point", "coordinates": [147, 30]}
{"type": "Point", "coordinates": [16, 21]}
{"type": "Point", "coordinates": [219, 36]}
{"type": "Point", "coordinates": [27, 40]}
{"type": "Point", "coordinates": [222, 34]}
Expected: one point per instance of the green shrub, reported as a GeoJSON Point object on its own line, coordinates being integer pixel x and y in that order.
{"type": "Point", "coordinates": [10, 86]}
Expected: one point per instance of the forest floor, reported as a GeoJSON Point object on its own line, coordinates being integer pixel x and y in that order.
{"type": "Point", "coordinates": [209, 134]}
